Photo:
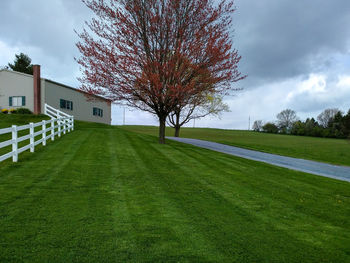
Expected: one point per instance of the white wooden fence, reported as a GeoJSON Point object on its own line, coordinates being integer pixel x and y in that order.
{"type": "Point", "coordinates": [59, 124]}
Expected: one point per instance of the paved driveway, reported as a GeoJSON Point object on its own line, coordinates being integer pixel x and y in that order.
{"type": "Point", "coordinates": [318, 168]}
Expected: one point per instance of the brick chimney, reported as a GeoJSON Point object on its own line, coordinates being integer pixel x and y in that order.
{"type": "Point", "coordinates": [36, 85]}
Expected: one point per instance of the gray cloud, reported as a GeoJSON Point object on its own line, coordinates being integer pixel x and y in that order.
{"type": "Point", "coordinates": [283, 39]}
{"type": "Point", "coordinates": [320, 92]}
{"type": "Point", "coordinates": [45, 30]}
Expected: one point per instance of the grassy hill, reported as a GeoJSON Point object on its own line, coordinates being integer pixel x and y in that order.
{"type": "Point", "coordinates": [104, 194]}
{"type": "Point", "coordinates": [6, 120]}
{"type": "Point", "coordinates": [335, 151]}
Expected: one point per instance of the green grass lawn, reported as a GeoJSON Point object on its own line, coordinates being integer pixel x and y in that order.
{"type": "Point", "coordinates": [335, 151]}
{"type": "Point", "coordinates": [7, 120]}
{"type": "Point", "coordinates": [104, 194]}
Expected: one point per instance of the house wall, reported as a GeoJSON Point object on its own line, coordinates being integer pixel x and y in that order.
{"type": "Point", "coordinates": [42, 92]}
{"type": "Point", "coordinates": [19, 84]}
{"type": "Point", "coordinates": [82, 103]}
{"type": "Point", "coordinates": [16, 84]}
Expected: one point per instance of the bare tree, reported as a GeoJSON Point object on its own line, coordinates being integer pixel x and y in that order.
{"type": "Point", "coordinates": [285, 120]}
{"type": "Point", "coordinates": [257, 125]}
{"type": "Point", "coordinates": [326, 116]}
{"type": "Point", "coordinates": [198, 107]}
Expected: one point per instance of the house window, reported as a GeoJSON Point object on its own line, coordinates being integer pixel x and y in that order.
{"type": "Point", "coordinates": [97, 112]}
{"type": "Point", "coordinates": [66, 104]}
{"type": "Point", "coordinates": [17, 101]}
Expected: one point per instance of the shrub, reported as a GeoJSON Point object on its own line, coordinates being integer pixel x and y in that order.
{"type": "Point", "coordinates": [12, 111]}
{"type": "Point", "coordinates": [270, 128]}
{"type": "Point", "coordinates": [23, 111]}
{"type": "Point", "coordinates": [5, 111]}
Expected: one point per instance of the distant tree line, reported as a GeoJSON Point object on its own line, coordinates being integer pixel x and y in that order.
{"type": "Point", "coordinates": [331, 123]}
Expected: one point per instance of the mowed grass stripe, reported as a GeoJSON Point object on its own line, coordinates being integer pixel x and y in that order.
{"type": "Point", "coordinates": [120, 196]}
{"type": "Point", "coordinates": [35, 168]}
{"type": "Point", "coordinates": [278, 195]}
{"type": "Point", "coordinates": [278, 177]}
{"type": "Point", "coordinates": [145, 205]}
{"type": "Point", "coordinates": [184, 165]}
{"type": "Point", "coordinates": [172, 218]}
{"type": "Point", "coordinates": [63, 211]}
{"type": "Point", "coordinates": [247, 209]}
{"type": "Point", "coordinates": [200, 216]}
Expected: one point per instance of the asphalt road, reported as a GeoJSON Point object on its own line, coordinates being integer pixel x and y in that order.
{"type": "Point", "coordinates": [312, 167]}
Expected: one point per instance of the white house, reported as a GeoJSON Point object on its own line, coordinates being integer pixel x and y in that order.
{"type": "Point", "coordinates": [20, 90]}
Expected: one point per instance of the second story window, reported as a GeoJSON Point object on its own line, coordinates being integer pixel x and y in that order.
{"type": "Point", "coordinates": [97, 112]}
{"type": "Point", "coordinates": [66, 104]}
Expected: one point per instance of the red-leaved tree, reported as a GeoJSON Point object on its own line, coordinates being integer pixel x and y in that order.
{"type": "Point", "coordinates": [157, 54]}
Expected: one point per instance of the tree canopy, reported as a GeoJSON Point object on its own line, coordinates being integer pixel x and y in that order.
{"type": "Point", "coordinates": [285, 120]}
{"type": "Point", "coordinates": [158, 54]}
{"type": "Point", "coordinates": [22, 63]}
{"type": "Point", "coordinates": [200, 106]}
{"type": "Point", "coordinates": [325, 117]}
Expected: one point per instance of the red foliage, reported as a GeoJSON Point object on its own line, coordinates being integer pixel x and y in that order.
{"type": "Point", "coordinates": [154, 54]}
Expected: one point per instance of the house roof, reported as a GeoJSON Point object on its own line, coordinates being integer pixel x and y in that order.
{"type": "Point", "coordinates": [78, 90]}
{"type": "Point", "coordinates": [57, 83]}
{"type": "Point", "coordinates": [16, 72]}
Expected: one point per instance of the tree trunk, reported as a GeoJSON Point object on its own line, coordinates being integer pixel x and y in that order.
{"type": "Point", "coordinates": [177, 126]}
{"type": "Point", "coordinates": [162, 130]}
{"type": "Point", "coordinates": [177, 130]}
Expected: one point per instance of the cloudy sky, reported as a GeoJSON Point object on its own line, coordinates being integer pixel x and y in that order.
{"type": "Point", "coordinates": [296, 54]}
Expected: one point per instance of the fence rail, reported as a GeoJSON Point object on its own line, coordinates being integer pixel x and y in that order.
{"type": "Point", "coordinates": [59, 124]}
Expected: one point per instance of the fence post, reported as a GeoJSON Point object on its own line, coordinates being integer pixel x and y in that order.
{"type": "Point", "coordinates": [59, 126]}
{"type": "Point", "coordinates": [31, 132]}
{"type": "Point", "coordinates": [52, 129]}
{"type": "Point", "coordinates": [43, 127]}
{"type": "Point", "coordinates": [64, 125]}
{"type": "Point", "coordinates": [14, 144]}
{"type": "Point", "coordinates": [72, 118]}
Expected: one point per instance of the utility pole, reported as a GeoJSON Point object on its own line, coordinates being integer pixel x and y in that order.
{"type": "Point", "coordinates": [194, 123]}
{"type": "Point", "coordinates": [249, 124]}
{"type": "Point", "coordinates": [124, 117]}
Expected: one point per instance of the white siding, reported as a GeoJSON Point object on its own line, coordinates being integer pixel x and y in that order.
{"type": "Point", "coordinates": [20, 84]}
{"type": "Point", "coordinates": [83, 103]}
{"type": "Point", "coordinates": [16, 84]}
